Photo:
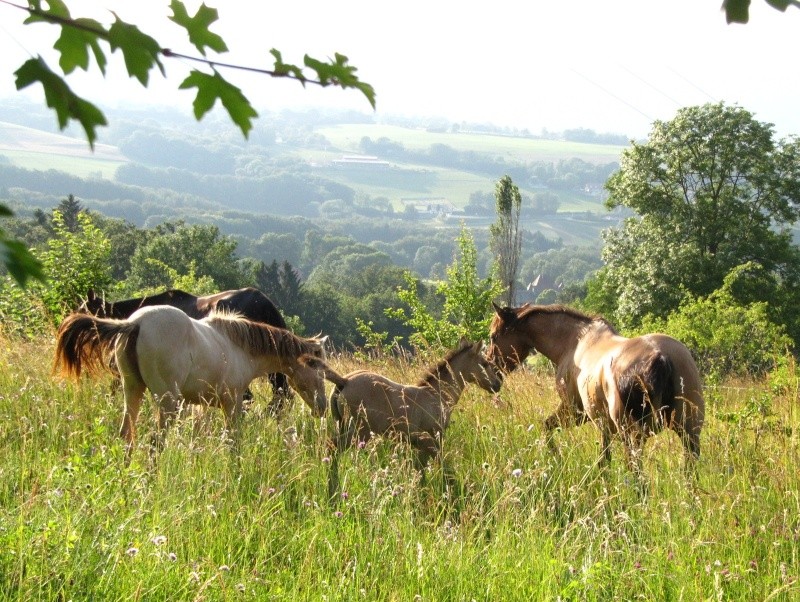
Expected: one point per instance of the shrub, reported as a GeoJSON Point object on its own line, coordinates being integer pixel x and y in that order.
{"type": "Point", "coordinates": [725, 337]}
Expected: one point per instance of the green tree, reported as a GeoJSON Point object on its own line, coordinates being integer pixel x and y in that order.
{"type": "Point", "coordinates": [727, 335]}
{"type": "Point", "coordinates": [282, 284]}
{"type": "Point", "coordinates": [124, 237]}
{"type": "Point", "coordinates": [711, 189]}
{"type": "Point", "coordinates": [180, 248]}
{"type": "Point", "coordinates": [738, 11]}
{"type": "Point", "coordinates": [20, 263]}
{"type": "Point", "coordinates": [466, 310]}
{"type": "Point", "coordinates": [74, 262]}
{"type": "Point", "coordinates": [69, 208]}
{"type": "Point", "coordinates": [341, 266]}
{"type": "Point", "coordinates": [505, 239]}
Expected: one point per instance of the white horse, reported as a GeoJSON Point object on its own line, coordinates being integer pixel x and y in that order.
{"type": "Point", "coordinates": [179, 359]}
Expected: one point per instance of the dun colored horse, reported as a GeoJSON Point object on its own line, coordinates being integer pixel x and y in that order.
{"type": "Point", "coordinates": [180, 359]}
{"type": "Point", "coordinates": [634, 387]}
{"type": "Point", "coordinates": [365, 403]}
{"type": "Point", "coordinates": [251, 303]}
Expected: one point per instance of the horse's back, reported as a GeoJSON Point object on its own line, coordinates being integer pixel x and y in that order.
{"type": "Point", "coordinates": [249, 302]}
{"type": "Point", "coordinates": [382, 402]}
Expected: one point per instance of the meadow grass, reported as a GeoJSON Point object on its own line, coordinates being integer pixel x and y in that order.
{"type": "Point", "coordinates": [77, 524]}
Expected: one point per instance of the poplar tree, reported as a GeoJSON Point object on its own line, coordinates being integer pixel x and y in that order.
{"type": "Point", "coordinates": [505, 239]}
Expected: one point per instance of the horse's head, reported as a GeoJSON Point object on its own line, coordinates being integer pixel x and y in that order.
{"type": "Point", "coordinates": [475, 368]}
{"type": "Point", "coordinates": [93, 304]}
{"type": "Point", "coordinates": [509, 344]}
{"type": "Point", "coordinates": [309, 382]}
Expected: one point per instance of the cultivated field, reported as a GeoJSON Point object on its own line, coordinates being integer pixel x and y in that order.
{"type": "Point", "coordinates": [76, 524]}
{"type": "Point", "coordinates": [348, 138]}
{"type": "Point", "coordinates": [34, 149]}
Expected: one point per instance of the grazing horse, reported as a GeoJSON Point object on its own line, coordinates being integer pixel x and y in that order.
{"type": "Point", "coordinates": [634, 387]}
{"type": "Point", "coordinates": [249, 302]}
{"type": "Point", "coordinates": [180, 359]}
{"type": "Point", "coordinates": [365, 403]}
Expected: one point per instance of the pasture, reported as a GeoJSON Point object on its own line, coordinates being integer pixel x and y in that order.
{"type": "Point", "coordinates": [77, 523]}
{"type": "Point", "coordinates": [347, 138]}
{"type": "Point", "coordinates": [34, 149]}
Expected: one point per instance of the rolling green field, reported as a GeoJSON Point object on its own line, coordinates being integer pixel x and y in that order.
{"type": "Point", "coordinates": [77, 524]}
{"type": "Point", "coordinates": [38, 150]}
{"type": "Point", "coordinates": [348, 137]}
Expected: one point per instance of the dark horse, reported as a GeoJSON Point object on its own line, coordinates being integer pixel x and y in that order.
{"type": "Point", "coordinates": [251, 303]}
{"type": "Point", "coordinates": [634, 387]}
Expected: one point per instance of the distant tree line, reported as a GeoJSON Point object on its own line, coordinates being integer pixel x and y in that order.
{"type": "Point", "coordinates": [572, 174]}
{"type": "Point", "coordinates": [325, 280]}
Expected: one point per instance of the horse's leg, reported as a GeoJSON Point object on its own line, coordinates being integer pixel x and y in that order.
{"type": "Point", "coordinates": [564, 417]}
{"type": "Point", "coordinates": [281, 393]}
{"type": "Point", "coordinates": [345, 431]}
{"type": "Point", "coordinates": [233, 406]}
{"type": "Point", "coordinates": [634, 437]}
{"type": "Point", "coordinates": [691, 450]}
{"type": "Point", "coordinates": [133, 393]}
{"type": "Point", "coordinates": [605, 442]}
{"type": "Point", "coordinates": [167, 413]}
{"type": "Point", "coordinates": [425, 447]}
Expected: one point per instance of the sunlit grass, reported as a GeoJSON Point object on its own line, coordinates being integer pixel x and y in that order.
{"type": "Point", "coordinates": [76, 523]}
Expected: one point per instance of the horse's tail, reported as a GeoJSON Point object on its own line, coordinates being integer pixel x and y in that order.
{"type": "Point", "coordinates": [647, 388]}
{"type": "Point", "coordinates": [84, 343]}
{"type": "Point", "coordinates": [332, 375]}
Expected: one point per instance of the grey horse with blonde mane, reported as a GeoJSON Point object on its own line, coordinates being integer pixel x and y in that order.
{"type": "Point", "coordinates": [182, 360]}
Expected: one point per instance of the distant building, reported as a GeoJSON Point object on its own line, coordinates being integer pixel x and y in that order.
{"type": "Point", "coordinates": [430, 206]}
{"type": "Point", "coordinates": [360, 161]}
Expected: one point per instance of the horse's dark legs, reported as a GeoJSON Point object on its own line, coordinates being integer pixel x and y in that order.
{"type": "Point", "coordinates": [281, 393]}
{"type": "Point", "coordinates": [691, 452]}
{"type": "Point", "coordinates": [634, 438]}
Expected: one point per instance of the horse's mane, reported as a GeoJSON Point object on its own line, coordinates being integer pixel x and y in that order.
{"type": "Point", "coordinates": [437, 372]}
{"type": "Point", "coordinates": [258, 338]}
{"type": "Point", "coordinates": [528, 310]}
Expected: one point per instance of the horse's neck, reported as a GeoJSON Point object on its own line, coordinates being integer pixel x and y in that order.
{"type": "Point", "coordinates": [448, 386]}
{"type": "Point", "coordinates": [560, 337]}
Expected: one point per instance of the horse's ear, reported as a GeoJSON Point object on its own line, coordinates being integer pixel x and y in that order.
{"type": "Point", "coordinates": [497, 308]}
{"type": "Point", "coordinates": [90, 295]}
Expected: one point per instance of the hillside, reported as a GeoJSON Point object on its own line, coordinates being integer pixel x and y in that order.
{"type": "Point", "coordinates": [294, 166]}
{"type": "Point", "coordinates": [30, 148]}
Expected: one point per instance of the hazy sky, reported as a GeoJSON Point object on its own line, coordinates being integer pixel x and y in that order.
{"type": "Point", "coordinates": [612, 66]}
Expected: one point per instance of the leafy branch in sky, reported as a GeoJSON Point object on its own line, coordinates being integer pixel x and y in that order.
{"type": "Point", "coordinates": [81, 39]}
{"type": "Point", "coordinates": [738, 11]}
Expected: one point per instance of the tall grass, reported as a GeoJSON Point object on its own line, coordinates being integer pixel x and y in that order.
{"type": "Point", "coordinates": [77, 524]}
